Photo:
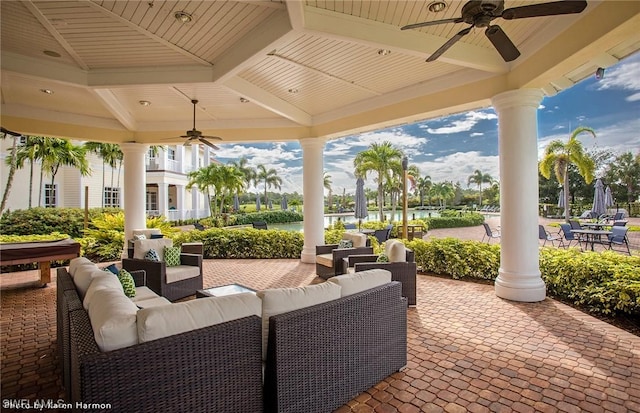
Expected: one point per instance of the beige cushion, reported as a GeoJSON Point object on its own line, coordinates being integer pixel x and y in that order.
{"type": "Point", "coordinates": [152, 302]}
{"type": "Point", "coordinates": [141, 246]}
{"type": "Point", "coordinates": [146, 232]}
{"type": "Point", "coordinates": [84, 275]}
{"type": "Point", "coordinates": [101, 282]}
{"type": "Point", "coordinates": [397, 252]}
{"type": "Point", "coordinates": [164, 321]}
{"type": "Point", "coordinates": [282, 300]}
{"type": "Point", "coordinates": [143, 293]}
{"type": "Point", "coordinates": [113, 320]}
{"type": "Point", "coordinates": [358, 239]}
{"type": "Point", "coordinates": [78, 262]}
{"type": "Point", "coordinates": [325, 259]}
{"type": "Point", "coordinates": [360, 281]}
{"type": "Point", "coordinates": [181, 272]}
{"type": "Point", "coordinates": [387, 246]}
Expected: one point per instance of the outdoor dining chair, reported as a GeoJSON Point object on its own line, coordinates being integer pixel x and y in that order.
{"type": "Point", "coordinates": [489, 233]}
{"type": "Point", "coordinates": [544, 235]}
{"type": "Point", "coordinates": [619, 237]}
{"type": "Point", "coordinates": [568, 235]}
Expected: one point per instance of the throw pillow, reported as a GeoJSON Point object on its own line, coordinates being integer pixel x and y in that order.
{"type": "Point", "coordinates": [112, 269]}
{"type": "Point", "coordinates": [345, 244]}
{"type": "Point", "coordinates": [156, 236]}
{"type": "Point", "coordinates": [172, 256]}
{"type": "Point", "coordinates": [128, 285]}
{"type": "Point", "coordinates": [382, 258]}
{"type": "Point", "coordinates": [151, 255]}
{"type": "Point", "coordinates": [139, 236]}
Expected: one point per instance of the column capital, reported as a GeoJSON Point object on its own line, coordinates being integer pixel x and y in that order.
{"type": "Point", "coordinates": [313, 142]}
{"type": "Point", "coordinates": [133, 147]}
{"type": "Point", "coordinates": [519, 97]}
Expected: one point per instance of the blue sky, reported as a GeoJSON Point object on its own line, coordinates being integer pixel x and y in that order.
{"type": "Point", "coordinates": [453, 147]}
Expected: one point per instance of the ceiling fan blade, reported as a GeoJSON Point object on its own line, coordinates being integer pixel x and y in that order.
{"type": "Point", "coordinates": [432, 23]}
{"type": "Point", "coordinates": [209, 144]}
{"type": "Point", "coordinates": [544, 9]}
{"type": "Point", "coordinates": [8, 132]}
{"type": "Point", "coordinates": [502, 43]}
{"type": "Point", "coordinates": [449, 43]}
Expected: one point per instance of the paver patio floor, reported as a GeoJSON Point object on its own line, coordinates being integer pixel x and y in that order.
{"type": "Point", "coordinates": [468, 350]}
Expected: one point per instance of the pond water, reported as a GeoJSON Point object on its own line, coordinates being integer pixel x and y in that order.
{"type": "Point", "coordinates": [348, 217]}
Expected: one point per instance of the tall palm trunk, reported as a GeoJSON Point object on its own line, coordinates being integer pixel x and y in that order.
{"type": "Point", "coordinates": [30, 181]}
{"type": "Point", "coordinates": [12, 171]}
{"type": "Point", "coordinates": [380, 198]}
{"type": "Point", "coordinates": [41, 183]}
{"type": "Point", "coordinates": [566, 194]}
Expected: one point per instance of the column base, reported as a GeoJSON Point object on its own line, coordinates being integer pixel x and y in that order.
{"type": "Point", "coordinates": [308, 255]}
{"type": "Point", "coordinates": [527, 288]}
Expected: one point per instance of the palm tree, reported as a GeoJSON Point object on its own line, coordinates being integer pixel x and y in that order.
{"type": "Point", "coordinates": [232, 181]}
{"type": "Point", "coordinates": [423, 184]}
{"type": "Point", "coordinates": [558, 156]}
{"type": "Point", "coordinates": [203, 179]}
{"type": "Point", "coordinates": [479, 178]}
{"type": "Point", "coordinates": [625, 170]}
{"type": "Point", "coordinates": [32, 150]}
{"type": "Point", "coordinates": [248, 172]}
{"type": "Point", "coordinates": [442, 191]}
{"type": "Point", "coordinates": [110, 154]}
{"type": "Point", "coordinates": [12, 161]}
{"type": "Point", "coordinates": [61, 152]}
{"type": "Point", "coordinates": [326, 182]}
{"type": "Point", "coordinates": [382, 159]}
{"type": "Point", "coordinates": [270, 178]}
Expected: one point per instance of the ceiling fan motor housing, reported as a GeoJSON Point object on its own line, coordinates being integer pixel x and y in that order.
{"type": "Point", "coordinates": [479, 13]}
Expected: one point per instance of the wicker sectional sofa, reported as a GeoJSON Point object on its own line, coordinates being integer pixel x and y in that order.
{"type": "Point", "coordinates": [311, 359]}
{"type": "Point", "coordinates": [215, 368]}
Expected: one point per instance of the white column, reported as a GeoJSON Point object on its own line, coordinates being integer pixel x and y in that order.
{"type": "Point", "coordinates": [163, 199]}
{"type": "Point", "coordinates": [134, 199]}
{"type": "Point", "coordinates": [313, 196]}
{"type": "Point", "coordinates": [519, 275]}
{"type": "Point", "coordinates": [195, 200]}
{"type": "Point", "coordinates": [180, 201]}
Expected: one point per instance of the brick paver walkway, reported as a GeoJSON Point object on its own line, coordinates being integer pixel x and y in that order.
{"type": "Point", "coordinates": [468, 350]}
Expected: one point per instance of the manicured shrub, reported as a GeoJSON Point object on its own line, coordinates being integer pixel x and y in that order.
{"type": "Point", "coordinates": [43, 221]}
{"type": "Point", "coordinates": [245, 243]}
{"type": "Point", "coordinates": [270, 217]}
{"type": "Point", "coordinates": [468, 219]}
{"type": "Point", "coordinates": [32, 238]}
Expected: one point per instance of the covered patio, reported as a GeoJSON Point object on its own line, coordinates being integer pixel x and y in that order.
{"type": "Point", "coordinates": [265, 71]}
{"type": "Point", "coordinates": [468, 350]}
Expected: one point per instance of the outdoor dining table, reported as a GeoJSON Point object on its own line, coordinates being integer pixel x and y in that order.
{"type": "Point", "coordinates": [591, 236]}
{"type": "Point", "coordinates": [594, 225]}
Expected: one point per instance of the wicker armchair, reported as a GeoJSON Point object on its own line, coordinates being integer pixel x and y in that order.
{"type": "Point", "coordinates": [404, 272]}
{"type": "Point", "coordinates": [157, 271]}
{"type": "Point", "coordinates": [329, 258]}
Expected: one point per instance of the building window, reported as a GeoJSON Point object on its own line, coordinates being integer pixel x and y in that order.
{"type": "Point", "coordinates": [111, 197]}
{"type": "Point", "coordinates": [50, 195]}
{"type": "Point", "coordinates": [171, 154]}
{"type": "Point", "coordinates": [151, 154]}
{"type": "Point", "coordinates": [152, 201]}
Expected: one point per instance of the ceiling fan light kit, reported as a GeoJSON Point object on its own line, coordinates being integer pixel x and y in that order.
{"type": "Point", "coordinates": [480, 13]}
{"type": "Point", "coordinates": [196, 135]}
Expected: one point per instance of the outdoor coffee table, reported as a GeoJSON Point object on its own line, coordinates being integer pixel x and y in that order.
{"type": "Point", "coordinates": [223, 290]}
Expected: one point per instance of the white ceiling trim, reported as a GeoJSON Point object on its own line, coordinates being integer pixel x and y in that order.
{"type": "Point", "coordinates": [147, 33]}
{"type": "Point", "coordinates": [43, 69]}
{"type": "Point", "coordinates": [252, 48]}
{"type": "Point", "coordinates": [116, 108]}
{"type": "Point", "coordinates": [295, 9]}
{"type": "Point", "coordinates": [268, 101]}
{"type": "Point", "coordinates": [267, 4]}
{"type": "Point", "coordinates": [85, 121]}
{"type": "Point", "coordinates": [375, 34]}
{"type": "Point", "coordinates": [49, 27]}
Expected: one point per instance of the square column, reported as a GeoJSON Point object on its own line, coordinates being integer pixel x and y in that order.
{"type": "Point", "coordinates": [134, 188]}
{"type": "Point", "coordinates": [313, 196]}
{"type": "Point", "coordinates": [519, 275]}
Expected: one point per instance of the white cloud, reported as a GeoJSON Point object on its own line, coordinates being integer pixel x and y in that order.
{"type": "Point", "coordinates": [458, 166]}
{"type": "Point", "coordinates": [625, 76]}
{"type": "Point", "coordinates": [633, 98]}
{"type": "Point", "coordinates": [465, 124]}
{"type": "Point", "coordinates": [476, 134]}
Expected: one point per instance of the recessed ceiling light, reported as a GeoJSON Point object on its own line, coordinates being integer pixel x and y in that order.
{"type": "Point", "coordinates": [51, 53]}
{"type": "Point", "coordinates": [384, 52]}
{"type": "Point", "coordinates": [144, 103]}
{"type": "Point", "coordinates": [47, 91]}
{"type": "Point", "coordinates": [183, 17]}
{"type": "Point", "coordinates": [437, 6]}
{"type": "Point", "coordinates": [293, 90]}
{"type": "Point", "coordinates": [244, 100]}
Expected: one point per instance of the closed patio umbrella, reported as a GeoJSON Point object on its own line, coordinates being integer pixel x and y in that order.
{"type": "Point", "coordinates": [283, 204]}
{"type": "Point", "coordinates": [599, 207]}
{"type": "Point", "coordinates": [608, 197]}
{"type": "Point", "coordinates": [360, 202]}
{"type": "Point", "coordinates": [236, 203]}
{"type": "Point", "coordinates": [270, 204]}
{"type": "Point", "coordinates": [561, 199]}
{"type": "Point", "coordinates": [258, 202]}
